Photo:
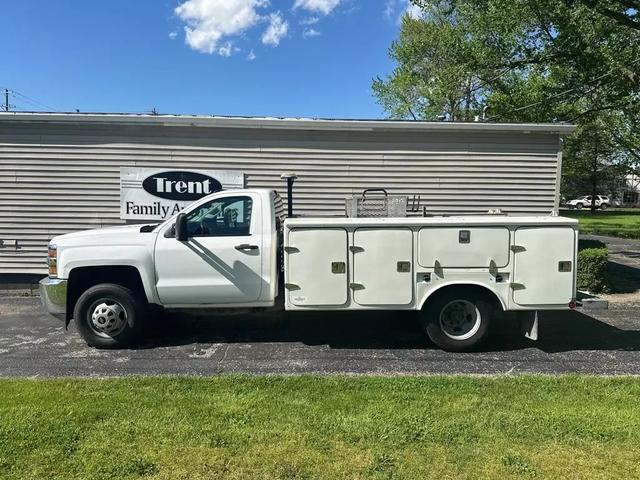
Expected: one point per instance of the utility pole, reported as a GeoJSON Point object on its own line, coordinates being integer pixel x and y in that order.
{"type": "Point", "coordinates": [6, 99]}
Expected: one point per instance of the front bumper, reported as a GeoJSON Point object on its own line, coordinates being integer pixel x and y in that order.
{"type": "Point", "coordinates": [53, 295]}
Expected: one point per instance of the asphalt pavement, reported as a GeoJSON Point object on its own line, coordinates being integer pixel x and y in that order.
{"type": "Point", "coordinates": [624, 251]}
{"type": "Point", "coordinates": [33, 344]}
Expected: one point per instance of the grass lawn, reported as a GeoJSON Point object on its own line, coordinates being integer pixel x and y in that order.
{"type": "Point", "coordinates": [321, 427]}
{"type": "Point", "coordinates": [621, 222]}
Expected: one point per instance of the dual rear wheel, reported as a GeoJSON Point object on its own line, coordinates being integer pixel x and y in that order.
{"type": "Point", "coordinates": [457, 320]}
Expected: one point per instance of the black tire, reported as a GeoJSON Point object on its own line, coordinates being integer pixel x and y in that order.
{"type": "Point", "coordinates": [579, 206]}
{"type": "Point", "coordinates": [121, 308]}
{"type": "Point", "coordinates": [603, 206]}
{"type": "Point", "coordinates": [462, 313]}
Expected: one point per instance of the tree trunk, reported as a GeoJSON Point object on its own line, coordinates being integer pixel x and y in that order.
{"type": "Point", "coordinates": [594, 175]}
{"type": "Point", "coordinates": [452, 110]}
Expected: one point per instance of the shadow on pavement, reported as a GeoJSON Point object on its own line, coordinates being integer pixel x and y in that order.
{"type": "Point", "coordinates": [567, 331]}
{"type": "Point", "coordinates": [559, 331]}
{"type": "Point", "coordinates": [628, 253]}
{"type": "Point", "coordinates": [623, 278]}
{"type": "Point", "coordinates": [375, 330]}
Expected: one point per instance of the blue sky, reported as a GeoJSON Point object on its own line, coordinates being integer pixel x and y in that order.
{"type": "Point", "coordinates": [310, 58]}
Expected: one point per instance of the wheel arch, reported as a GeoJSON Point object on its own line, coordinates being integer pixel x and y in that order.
{"type": "Point", "coordinates": [460, 285]}
{"type": "Point", "coordinates": [82, 278]}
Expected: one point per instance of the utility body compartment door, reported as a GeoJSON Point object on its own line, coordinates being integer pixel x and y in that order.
{"type": "Point", "coordinates": [316, 270]}
{"type": "Point", "coordinates": [382, 266]}
{"type": "Point", "coordinates": [463, 247]}
{"type": "Point", "coordinates": [541, 276]}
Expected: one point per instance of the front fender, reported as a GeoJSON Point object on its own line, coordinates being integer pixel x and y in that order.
{"type": "Point", "coordinates": [126, 255]}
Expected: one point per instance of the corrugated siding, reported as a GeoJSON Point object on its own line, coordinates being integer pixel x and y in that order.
{"type": "Point", "coordinates": [56, 179]}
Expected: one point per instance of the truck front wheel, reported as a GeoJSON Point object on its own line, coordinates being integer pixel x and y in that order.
{"type": "Point", "coordinates": [109, 316]}
{"type": "Point", "coordinates": [457, 321]}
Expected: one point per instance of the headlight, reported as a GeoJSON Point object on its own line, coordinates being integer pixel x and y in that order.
{"type": "Point", "coordinates": [52, 260]}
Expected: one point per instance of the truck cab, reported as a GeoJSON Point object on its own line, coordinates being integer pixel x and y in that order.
{"type": "Point", "coordinates": [228, 257]}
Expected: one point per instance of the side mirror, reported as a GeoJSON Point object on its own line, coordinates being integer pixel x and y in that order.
{"type": "Point", "coordinates": [181, 227]}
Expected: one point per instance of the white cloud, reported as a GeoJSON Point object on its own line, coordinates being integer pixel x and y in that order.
{"type": "Point", "coordinates": [396, 9]}
{"type": "Point", "coordinates": [413, 11]}
{"type": "Point", "coordinates": [251, 55]}
{"type": "Point", "coordinates": [310, 32]}
{"type": "Point", "coordinates": [208, 22]}
{"type": "Point", "coordinates": [309, 21]}
{"type": "Point", "coordinates": [390, 8]}
{"type": "Point", "coordinates": [227, 50]}
{"type": "Point", "coordinates": [276, 31]}
{"type": "Point", "coordinates": [324, 7]}
{"type": "Point", "coordinates": [173, 35]}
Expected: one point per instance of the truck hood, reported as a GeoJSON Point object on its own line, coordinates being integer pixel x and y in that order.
{"type": "Point", "coordinates": [124, 234]}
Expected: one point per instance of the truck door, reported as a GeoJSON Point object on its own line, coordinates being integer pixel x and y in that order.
{"type": "Point", "coordinates": [544, 266]}
{"type": "Point", "coordinates": [382, 266]}
{"type": "Point", "coordinates": [221, 262]}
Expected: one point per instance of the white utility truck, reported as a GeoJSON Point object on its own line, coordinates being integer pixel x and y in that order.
{"type": "Point", "coordinates": [227, 250]}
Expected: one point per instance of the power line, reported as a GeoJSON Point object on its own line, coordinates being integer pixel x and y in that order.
{"type": "Point", "coordinates": [19, 107]}
{"type": "Point", "coordinates": [22, 102]}
{"type": "Point", "coordinates": [31, 101]}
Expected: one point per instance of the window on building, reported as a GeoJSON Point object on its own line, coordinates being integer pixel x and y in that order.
{"type": "Point", "coordinates": [631, 197]}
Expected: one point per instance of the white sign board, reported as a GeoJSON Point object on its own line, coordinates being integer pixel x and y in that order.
{"type": "Point", "coordinates": [157, 194]}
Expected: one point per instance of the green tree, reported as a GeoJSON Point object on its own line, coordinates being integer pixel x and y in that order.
{"type": "Point", "coordinates": [597, 162]}
{"type": "Point", "coordinates": [527, 61]}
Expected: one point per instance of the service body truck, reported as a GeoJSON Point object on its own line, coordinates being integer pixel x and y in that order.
{"type": "Point", "coordinates": [228, 250]}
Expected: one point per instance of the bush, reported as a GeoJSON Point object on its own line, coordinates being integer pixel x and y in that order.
{"type": "Point", "coordinates": [592, 269]}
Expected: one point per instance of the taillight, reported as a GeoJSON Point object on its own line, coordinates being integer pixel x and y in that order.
{"type": "Point", "coordinates": [52, 261]}
{"type": "Point", "coordinates": [572, 304]}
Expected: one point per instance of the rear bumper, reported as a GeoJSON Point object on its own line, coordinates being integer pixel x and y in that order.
{"type": "Point", "coordinates": [53, 295]}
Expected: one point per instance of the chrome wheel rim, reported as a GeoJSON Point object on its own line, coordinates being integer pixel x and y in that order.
{"type": "Point", "coordinates": [460, 319]}
{"type": "Point", "coordinates": [108, 317]}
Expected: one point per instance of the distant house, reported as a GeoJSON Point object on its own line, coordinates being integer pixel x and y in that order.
{"type": "Point", "coordinates": [631, 194]}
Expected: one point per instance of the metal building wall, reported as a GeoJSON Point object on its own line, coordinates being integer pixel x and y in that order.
{"type": "Point", "coordinates": [59, 177]}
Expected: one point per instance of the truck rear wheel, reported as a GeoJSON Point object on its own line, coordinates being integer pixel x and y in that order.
{"type": "Point", "coordinates": [109, 316]}
{"type": "Point", "coordinates": [457, 321]}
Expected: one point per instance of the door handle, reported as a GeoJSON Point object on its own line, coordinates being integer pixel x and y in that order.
{"type": "Point", "coordinates": [244, 247]}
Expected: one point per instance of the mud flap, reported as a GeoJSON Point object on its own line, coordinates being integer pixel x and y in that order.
{"type": "Point", "coordinates": [529, 324]}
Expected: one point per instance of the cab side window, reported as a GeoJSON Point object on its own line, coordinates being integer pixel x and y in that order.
{"type": "Point", "coordinates": [223, 217]}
